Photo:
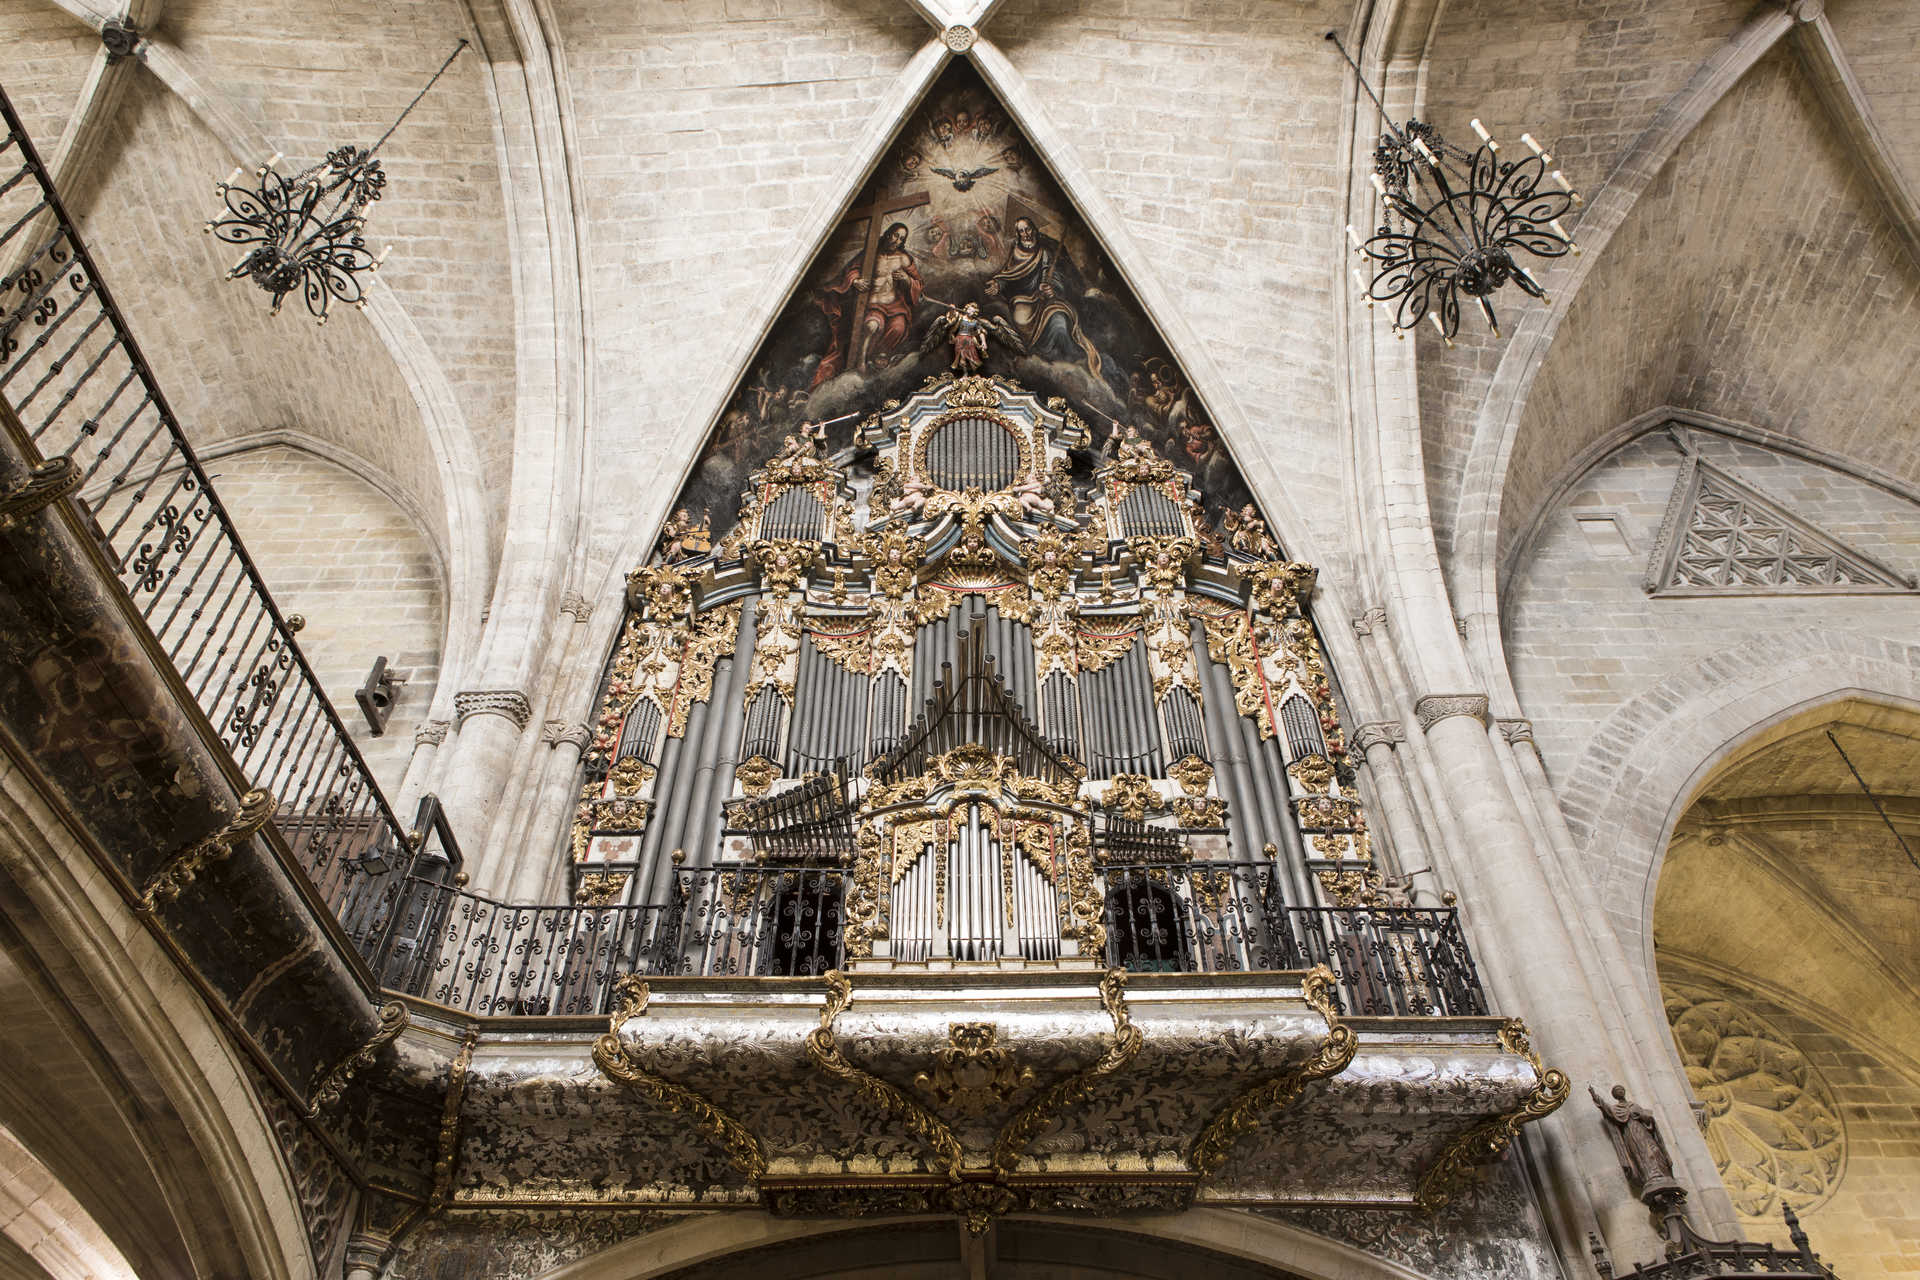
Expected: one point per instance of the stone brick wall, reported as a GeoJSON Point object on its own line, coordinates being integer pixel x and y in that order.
{"type": "Point", "coordinates": [333, 548]}
{"type": "Point", "coordinates": [1599, 665]}
{"type": "Point", "coordinates": [705, 136]}
{"type": "Point", "coordinates": [43, 63]}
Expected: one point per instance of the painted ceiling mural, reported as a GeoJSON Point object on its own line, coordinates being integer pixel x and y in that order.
{"type": "Point", "coordinates": [961, 237]}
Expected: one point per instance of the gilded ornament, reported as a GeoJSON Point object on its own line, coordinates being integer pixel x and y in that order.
{"type": "Point", "coordinates": [1122, 1045]}
{"type": "Point", "coordinates": [863, 922]}
{"type": "Point", "coordinates": [972, 392]}
{"type": "Point", "coordinates": [974, 1072]}
{"type": "Point", "coordinates": [1051, 561]}
{"type": "Point", "coordinates": [1163, 561]}
{"type": "Point", "coordinates": [848, 650]}
{"type": "Point", "coordinates": [783, 563]}
{"type": "Point", "coordinates": [447, 1152]}
{"type": "Point", "coordinates": [328, 1087]}
{"type": "Point", "coordinates": [1131, 795]}
{"type": "Point", "coordinates": [971, 766]}
{"type": "Point", "coordinates": [1200, 814]}
{"type": "Point", "coordinates": [1086, 907]}
{"type": "Point", "coordinates": [756, 774]}
{"type": "Point", "coordinates": [1138, 463]}
{"type": "Point", "coordinates": [1216, 1141]}
{"type": "Point", "coordinates": [1350, 885]}
{"type": "Point", "coordinates": [825, 1052]}
{"type": "Point", "coordinates": [662, 591]}
{"type": "Point", "coordinates": [713, 636]}
{"type": "Point", "coordinates": [1489, 1140]}
{"type": "Point", "coordinates": [256, 810]}
{"type": "Point", "coordinates": [628, 775]}
{"type": "Point", "coordinates": [893, 556]}
{"type": "Point", "coordinates": [1066, 794]}
{"type": "Point", "coordinates": [601, 889]}
{"type": "Point", "coordinates": [1313, 773]}
{"type": "Point", "coordinates": [618, 1064]}
{"type": "Point", "coordinates": [1099, 650]}
{"type": "Point", "coordinates": [1282, 588]}
{"type": "Point", "coordinates": [1192, 773]}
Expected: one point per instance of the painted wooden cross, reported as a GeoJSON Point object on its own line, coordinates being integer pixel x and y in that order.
{"type": "Point", "coordinates": [876, 218]}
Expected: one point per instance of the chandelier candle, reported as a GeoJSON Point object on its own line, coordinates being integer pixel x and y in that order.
{"type": "Point", "coordinates": [1454, 219]}
{"type": "Point", "coordinates": [303, 232]}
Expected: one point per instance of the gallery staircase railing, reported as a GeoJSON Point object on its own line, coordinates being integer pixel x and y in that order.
{"type": "Point", "coordinates": [88, 413]}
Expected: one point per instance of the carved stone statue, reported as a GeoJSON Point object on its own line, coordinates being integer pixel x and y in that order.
{"type": "Point", "coordinates": [1637, 1142]}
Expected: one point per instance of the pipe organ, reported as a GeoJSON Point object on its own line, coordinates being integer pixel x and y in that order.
{"type": "Point", "coordinates": [974, 675]}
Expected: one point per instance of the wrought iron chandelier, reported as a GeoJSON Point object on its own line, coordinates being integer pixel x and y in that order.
{"type": "Point", "coordinates": [1454, 220]}
{"type": "Point", "coordinates": [304, 230]}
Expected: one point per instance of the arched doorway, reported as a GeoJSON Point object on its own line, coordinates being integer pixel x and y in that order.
{"type": "Point", "coordinates": [1219, 1244]}
{"type": "Point", "coordinates": [1786, 924]}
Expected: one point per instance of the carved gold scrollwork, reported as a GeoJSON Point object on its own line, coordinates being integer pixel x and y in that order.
{"type": "Point", "coordinates": [713, 636]}
{"type": "Point", "coordinates": [974, 1072]}
{"type": "Point", "coordinates": [447, 1150]}
{"type": "Point", "coordinates": [1192, 773]}
{"type": "Point", "coordinates": [850, 651]}
{"type": "Point", "coordinates": [601, 889]}
{"type": "Point", "coordinates": [756, 774]}
{"type": "Point", "coordinates": [1215, 1143]}
{"type": "Point", "coordinates": [1314, 773]}
{"type": "Point", "coordinates": [783, 564]}
{"type": "Point", "coordinates": [864, 923]}
{"type": "Point", "coordinates": [1163, 561]}
{"type": "Point", "coordinates": [1131, 795]}
{"type": "Point", "coordinates": [825, 1051]}
{"type": "Point", "coordinates": [328, 1087]}
{"type": "Point", "coordinates": [894, 556]}
{"type": "Point", "coordinates": [1121, 1048]}
{"type": "Point", "coordinates": [1098, 650]}
{"type": "Point", "coordinates": [629, 775]}
{"type": "Point", "coordinates": [1489, 1140]}
{"type": "Point", "coordinates": [1086, 906]}
{"type": "Point", "coordinates": [611, 1055]}
{"type": "Point", "coordinates": [256, 810]}
{"type": "Point", "coordinates": [45, 485]}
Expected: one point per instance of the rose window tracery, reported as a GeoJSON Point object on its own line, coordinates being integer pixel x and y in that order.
{"type": "Point", "coordinates": [1771, 1121]}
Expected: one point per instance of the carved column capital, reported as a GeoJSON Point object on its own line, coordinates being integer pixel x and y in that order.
{"type": "Point", "coordinates": [367, 1252]}
{"type": "Point", "coordinates": [1435, 707]}
{"type": "Point", "coordinates": [1364, 624]}
{"type": "Point", "coordinates": [1378, 733]}
{"type": "Point", "coordinates": [576, 604]}
{"type": "Point", "coordinates": [555, 732]}
{"type": "Point", "coordinates": [1515, 730]}
{"type": "Point", "coordinates": [431, 733]}
{"type": "Point", "coordinates": [510, 703]}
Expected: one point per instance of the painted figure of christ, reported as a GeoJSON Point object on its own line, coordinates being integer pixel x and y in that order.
{"type": "Point", "coordinates": [890, 293]}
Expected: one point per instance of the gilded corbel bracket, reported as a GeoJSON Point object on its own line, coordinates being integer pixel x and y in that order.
{"type": "Point", "coordinates": [824, 1049]}
{"type": "Point", "coordinates": [616, 1064]}
{"type": "Point", "coordinates": [45, 485]}
{"type": "Point", "coordinates": [1122, 1046]}
{"type": "Point", "coordinates": [447, 1154]}
{"type": "Point", "coordinates": [328, 1086]}
{"type": "Point", "coordinates": [1489, 1140]}
{"type": "Point", "coordinates": [1215, 1143]}
{"type": "Point", "coordinates": [256, 809]}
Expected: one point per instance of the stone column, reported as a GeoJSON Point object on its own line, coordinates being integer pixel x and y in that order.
{"type": "Point", "coordinates": [366, 1254]}
{"type": "Point", "coordinates": [1521, 935]}
{"type": "Point", "coordinates": [487, 730]}
{"type": "Point", "coordinates": [1638, 1024]}
{"type": "Point", "coordinates": [555, 796]}
{"type": "Point", "coordinates": [1375, 742]}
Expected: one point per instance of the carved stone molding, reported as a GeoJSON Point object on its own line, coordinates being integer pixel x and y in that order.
{"type": "Point", "coordinates": [555, 732]}
{"type": "Point", "coordinates": [431, 733]}
{"type": "Point", "coordinates": [1435, 707]}
{"type": "Point", "coordinates": [1515, 730]}
{"type": "Point", "coordinates": [576, 604]}
{"type": "Point", "coordinates": [1378, 732]}
{"type": "Point", "coordinates": [1365, 623]}
{"type": "Point", "coordinates": [510, 703]}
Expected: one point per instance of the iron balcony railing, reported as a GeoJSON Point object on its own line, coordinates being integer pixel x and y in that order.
{"type": "Point", "coordinates": [82, 391]}
{"type": "Point", "coordinates": [486, 957]}
{"type": "Point", "coordinates": [442, 943]}
{"type": "Point", "coordinates": [1201, 917]}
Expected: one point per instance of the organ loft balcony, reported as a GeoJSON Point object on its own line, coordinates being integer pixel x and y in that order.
{"type": "Point", "coordinates": [967, 827]}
